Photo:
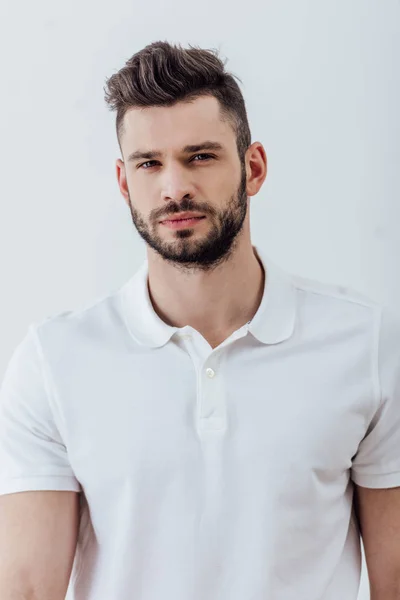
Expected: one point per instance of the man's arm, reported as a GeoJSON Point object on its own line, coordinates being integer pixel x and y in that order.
{"type": "Point", "coordinates": [378, 512]}
{"type": "Point", "coordinates": [39, 532]}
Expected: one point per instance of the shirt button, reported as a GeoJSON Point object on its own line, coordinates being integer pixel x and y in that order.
{"type": "Point", "coordinates": [210, 373]}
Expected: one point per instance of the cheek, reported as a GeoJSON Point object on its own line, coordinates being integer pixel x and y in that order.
{"type": "Point", "coordinates": [220, 184]}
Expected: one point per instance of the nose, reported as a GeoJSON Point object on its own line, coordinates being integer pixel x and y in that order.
{"type": "Point", "coordinates": [177, 185]}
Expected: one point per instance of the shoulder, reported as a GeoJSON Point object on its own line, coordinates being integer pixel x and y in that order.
{"type": "Point", "coordinates": [92, 321]}
{"type": "Point", "coordinates": [332, 293]}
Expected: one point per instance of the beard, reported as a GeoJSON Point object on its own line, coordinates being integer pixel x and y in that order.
{"type": "Point", "coordinates": [189, 250]}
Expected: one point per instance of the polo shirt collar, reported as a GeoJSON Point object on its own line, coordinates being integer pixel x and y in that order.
{"type": "Point", "coordinates": [273, 322]}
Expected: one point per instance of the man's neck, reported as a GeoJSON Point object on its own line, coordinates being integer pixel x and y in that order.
{"type": "Point", "coordinates": [215, 303]}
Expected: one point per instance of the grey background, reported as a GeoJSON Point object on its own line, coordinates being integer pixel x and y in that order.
{"type": "Point", "coordinates": [321, 83]}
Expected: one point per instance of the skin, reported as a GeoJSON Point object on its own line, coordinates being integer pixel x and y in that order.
{"type": "Point", "coordinates": [206, 276]}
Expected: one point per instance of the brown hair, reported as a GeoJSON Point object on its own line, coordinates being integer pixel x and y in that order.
{"type": "Point", "coordinates": [162, 74]}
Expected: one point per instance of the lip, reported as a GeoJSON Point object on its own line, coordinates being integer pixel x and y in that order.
{"type": "Point", "coordinates": [184, 215]}
{"type": "Point", "coordinates": [183, 223]}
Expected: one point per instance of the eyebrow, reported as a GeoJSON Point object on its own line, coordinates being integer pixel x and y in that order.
{"type": "Point", "coordinates": [208, 145]}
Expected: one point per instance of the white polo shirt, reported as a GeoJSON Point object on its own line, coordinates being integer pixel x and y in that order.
{"type": "Point", "coordinates": [206, 474]}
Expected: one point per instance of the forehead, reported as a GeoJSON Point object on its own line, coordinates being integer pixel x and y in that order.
{"type": "Point", "coordinates": [158, 126]}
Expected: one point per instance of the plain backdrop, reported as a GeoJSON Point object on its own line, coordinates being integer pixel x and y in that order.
{"type": "Point", "coordinates": [321, 82]}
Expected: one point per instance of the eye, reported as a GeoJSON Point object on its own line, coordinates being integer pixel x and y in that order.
{"type": "Point", "coordinates": [195, 156]}
{"type": "Point", "coordinates": [208, 155]}
{"type": "Point", "coordinates": [146, 163]}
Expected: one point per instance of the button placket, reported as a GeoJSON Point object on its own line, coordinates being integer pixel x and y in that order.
{"type": "Point", "coordinates": [212, 403]}
{"type": "Point", "coordinates": [211, 409]}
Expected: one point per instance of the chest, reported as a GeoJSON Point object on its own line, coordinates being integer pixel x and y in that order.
{"type": "Point", "coordinates": [135, 417]}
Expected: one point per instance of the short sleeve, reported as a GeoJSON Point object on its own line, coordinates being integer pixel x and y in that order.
{"type": "Point", "coordinates": [32, 453]}
{"type": "Point", "coordinates": [377, 462]}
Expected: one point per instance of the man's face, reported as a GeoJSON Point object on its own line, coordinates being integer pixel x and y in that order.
{"type": "Point", "coordinates": [211, 182]}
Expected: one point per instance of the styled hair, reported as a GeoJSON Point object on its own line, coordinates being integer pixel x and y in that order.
{"type": "Point", "coordinates": [162, 74]}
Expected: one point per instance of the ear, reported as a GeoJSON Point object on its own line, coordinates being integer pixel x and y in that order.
{"type": "Point", "coordinates": [256, 167]}
{"type": "Point", "coordinates": [121, 178]}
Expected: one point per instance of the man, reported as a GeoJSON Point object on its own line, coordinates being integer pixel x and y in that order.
{"type": "Point", "coordinates": [216, 428]}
